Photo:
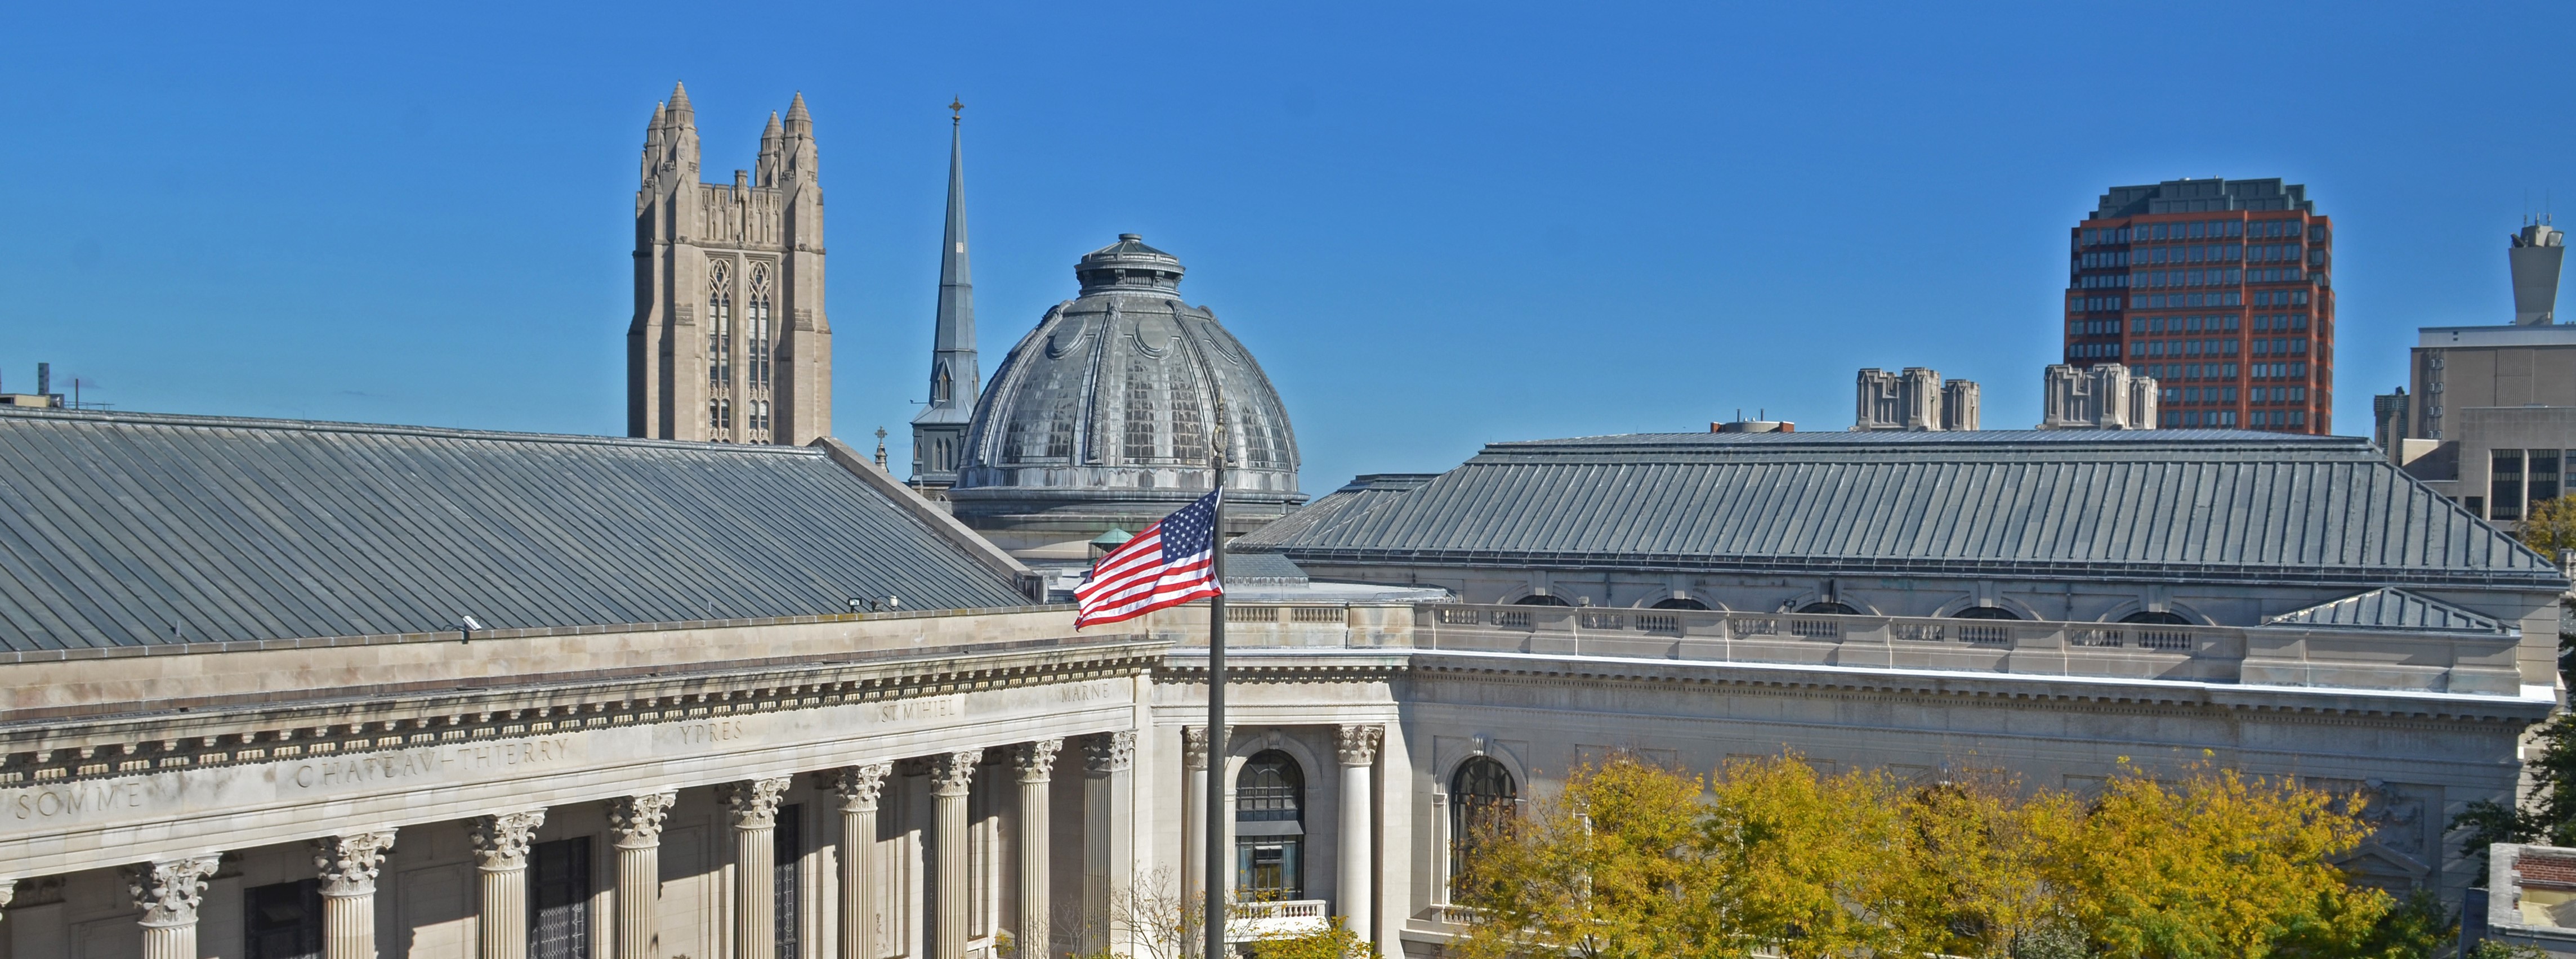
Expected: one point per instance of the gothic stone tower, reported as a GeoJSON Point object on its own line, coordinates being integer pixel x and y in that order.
{"type": "Point", "coordinates": [729, 343]}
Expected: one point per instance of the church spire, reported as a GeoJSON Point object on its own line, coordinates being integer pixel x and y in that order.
{"type": "Point", "coordinates": [954, 339]}
{"type": "Point", "coordinates": [938, 433]}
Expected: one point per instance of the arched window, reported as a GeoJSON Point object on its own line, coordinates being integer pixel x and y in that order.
{"type": "Point", "coordinates": [1984, 612]}
{"type": "Point", "coordinates": [719, 324]}
{"type": "Point", "coordinates": [1270, 827]}
{"type": "Point", "coordinates": [1681, 602]}
{"type": "Point", "coordinates": [1482, 796]}
{"type": "Point", "coordinates": [1830, 606]}
{"type": "Point", "coordinates": [1541, 600]}
{"type": "Point", "coordinates": [2155, 618]}
{"type": "Point", "coordinates": [756, 325]}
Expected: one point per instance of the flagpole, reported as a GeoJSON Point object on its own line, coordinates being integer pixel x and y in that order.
{"type": "Point", "coordinates": [1219, 882]}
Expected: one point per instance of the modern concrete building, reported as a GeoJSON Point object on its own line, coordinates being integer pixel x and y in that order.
{"type": "Point", "coordinates": [1105, 415]}
{"type": "Point", "coordinates": [2219, 289]}
{"type": "Point", "coordinates": [2491, 421]}
{"type": "Point", "coordinates": [956, 378]}
{"type": "Point", "coordinates": [2106, 396]}
{"type": "Point", "coordinates": [730, 343]}
{"type": "Point", "coordinates": [438, 694]}
{"type": "Point", "coordinates": [1916, 399]}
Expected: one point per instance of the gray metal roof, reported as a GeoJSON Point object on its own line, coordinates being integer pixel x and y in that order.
{"type": "Point", "coordinates": [120, 529]}
{"type": "Point", "coordinates": [1360, 494]}
{"type": "Point", "coordinates": [2103, 504]}
{"type": "Point", "coordinates": [2387, 608]}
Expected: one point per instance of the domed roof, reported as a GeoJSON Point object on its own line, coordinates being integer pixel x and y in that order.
{"type": "Point", "coordinates": [1108, 405]}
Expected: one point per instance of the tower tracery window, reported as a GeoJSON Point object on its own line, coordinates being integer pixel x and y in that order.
{"type": "Point", "coordinates": [757, 314]}
{"type": "Point", "coordinates": [719, 324]}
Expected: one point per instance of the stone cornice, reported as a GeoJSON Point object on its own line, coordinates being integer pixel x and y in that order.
{"type": "Point", "coordinates": [1189, 665]}
{"type": "Point", "coordinates": [55, 750]}
{"type": "Point", "coordinates": [2143, 696]}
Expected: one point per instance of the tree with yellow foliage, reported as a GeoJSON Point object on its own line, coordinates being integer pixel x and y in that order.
{"type": "Point", "coordinates": [1634, 860]}
{"type": "Point", "coordinates": [2551, 526]}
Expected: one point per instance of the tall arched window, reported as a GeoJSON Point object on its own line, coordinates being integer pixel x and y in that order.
{"type": "Point", "coordinates": [1270, 827]}
{"type": "Point", "coordinates": [719, 323]}
{"type": "Point", "coordinates": [1482, 796]}
{"type": "Point", "coordinates": [756, 326]}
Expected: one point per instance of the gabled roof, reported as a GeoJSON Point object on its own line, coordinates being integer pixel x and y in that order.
{"type": "Point", "coordinates": [120, 529]}
{"type": "Point", "coordinates": [1358, 496]}
{"type": "Point", "coordinates": [2194, 505]}
{"type": "Point", "coordinates": [2387, 608]}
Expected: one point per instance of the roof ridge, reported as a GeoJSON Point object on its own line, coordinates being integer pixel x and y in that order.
{"type": "Point", "coordinates": [202, 421]}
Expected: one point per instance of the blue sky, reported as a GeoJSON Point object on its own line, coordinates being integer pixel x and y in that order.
{"type": "Point", "coordinates": [1437, 225]}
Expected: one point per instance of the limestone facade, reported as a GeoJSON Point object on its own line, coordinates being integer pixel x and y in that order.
{"type": "Point", "coordinates": [946, 783]}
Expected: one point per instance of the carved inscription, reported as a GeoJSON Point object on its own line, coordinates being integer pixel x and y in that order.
{"type": "Point", "coordinates": [76, 799]}
{"type": "Point", "coordinates": [1094, 691]}
{"type": "Point", "coordinates": [925, 709]}
{"type": "Point", "coordinates": [377, 768]}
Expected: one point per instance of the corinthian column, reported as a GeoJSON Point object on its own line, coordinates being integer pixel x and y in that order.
{"type": "Point", "coordinates": [1108, 838]}
{"type": "Point", "coordinates": [168, 893]}
{"type": "Point", "coordinates": [1194, 787]}
{"type": "Point", "coordinates": [636, 824]}
{"type": "Point", "coordinates": [858, 788]}
{"type": "Point", "coordinates": [1035, 762]}
{"type": "Point", "coordinates": [950, 776]}
{"type": "Point", "coordinates": [1358, 748]}
{"type": "Point", "coordinates": [501, 858]}
{"type": "Point", "coordinates": [348, 865]}
{"type": "Point", "coordinates": [753, 805]}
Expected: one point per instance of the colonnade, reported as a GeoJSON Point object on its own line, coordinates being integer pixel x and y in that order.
{"type": "Point", "coordinates": [168, 891]}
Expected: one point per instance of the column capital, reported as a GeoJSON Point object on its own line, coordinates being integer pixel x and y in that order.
{"type": "Point", "coordinates": [1358, 744]}
{"type": "Point", "coordinates": [753, 803]}
{"type": "Point", "coordinates": [952, 773]}
{"type": "Point", "coordinates": [348, 862]}
{"type": "Point", "coordinates": [859, 786]}
{"type": "Point", "coordinates": [1109, 753]}
{"type": "Point", "coordinates": [636, 821]}
{"type": "Point", "coordinates": [1035, 760]}
{"type": "Point", "coordinates": [8, 890]}
{"type": "Point", "coordinates": [1194, 747]}
{"type": "Point", "coordinates": [501, 841]}
{"type": "Point", "coordinates": [168, 891]}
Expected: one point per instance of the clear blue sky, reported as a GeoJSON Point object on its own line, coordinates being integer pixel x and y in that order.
{"type": "Point", "coordinates": [1436, 225]}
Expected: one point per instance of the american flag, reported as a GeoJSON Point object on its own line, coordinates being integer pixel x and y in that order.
{"type": "Point", "coordinates": [1170, 563]}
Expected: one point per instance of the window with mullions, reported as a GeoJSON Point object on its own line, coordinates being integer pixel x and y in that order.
{"type": "Point", "coordinates": [2505, 479]}
{"type": "Point", "coordinates": [1270, 828]}
{"type": "Point", "coordinates": [559, 899]}
{"type": "Point", "coordinates": [283, 921]}
{"type": "Point", "coordinates": [787, 846]}
{"type": "Point", "coordinates": [719, 324]}
{"type": "Point", "coordinates": [756, 326]}
{"type": "Point", "coordinates": [1482, 799]}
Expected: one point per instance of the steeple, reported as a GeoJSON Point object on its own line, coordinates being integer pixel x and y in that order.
{"type": "Point", "coordinates": [938, 433]}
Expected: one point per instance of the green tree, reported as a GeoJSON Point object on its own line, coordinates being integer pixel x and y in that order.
{"type": "Point", "coordinates": [1607, 869]}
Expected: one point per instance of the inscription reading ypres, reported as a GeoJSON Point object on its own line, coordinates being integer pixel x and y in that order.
{"type": "Point", "coordinates": [709, 733]}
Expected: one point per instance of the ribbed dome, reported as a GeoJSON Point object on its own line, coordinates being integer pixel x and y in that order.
{"type": "Point", "coordinates": [1107, 406]}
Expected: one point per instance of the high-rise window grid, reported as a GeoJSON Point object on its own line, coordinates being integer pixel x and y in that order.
{"type": "Point", "coordinates": [2165, 293]}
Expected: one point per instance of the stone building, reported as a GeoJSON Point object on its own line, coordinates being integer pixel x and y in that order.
{"type": "Point", "coordinates": [730, 343]}
{"type": "Point", "coordinates": [364, 690]}
{"type": "Point", "coordinates": [1917, 399]}
{"type": "Point", "coordinates": [2492, 419]}
{"type": "Point", "coordinates": [1103, 417]}
{"type": "Point", "coordinates": [2105, 396]}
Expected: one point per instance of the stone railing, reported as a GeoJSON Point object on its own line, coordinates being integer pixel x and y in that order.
{"type": "Point", "coordinates": [1276, 918]}
{"type": "Point", "coordinates": [2481, 664]}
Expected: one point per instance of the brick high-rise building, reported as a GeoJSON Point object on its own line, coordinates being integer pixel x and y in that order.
{"type": "Point", "coordinates": [2220, 290]}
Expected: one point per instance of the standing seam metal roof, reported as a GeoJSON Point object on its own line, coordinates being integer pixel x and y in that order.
{"type": "Point", "coordinates": [120, 530]}
{"type": "Point", "coordinates": [2151, 504]}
